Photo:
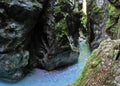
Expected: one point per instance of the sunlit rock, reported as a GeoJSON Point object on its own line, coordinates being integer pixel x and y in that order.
{"type": "Point", "coordinates": [102, 67]}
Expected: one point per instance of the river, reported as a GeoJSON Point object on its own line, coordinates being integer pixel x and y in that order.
{"type": "Point", "coordinates": [61, 77]}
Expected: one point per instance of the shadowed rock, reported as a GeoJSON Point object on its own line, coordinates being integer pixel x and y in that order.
{"type": "Point", "coordinates": [51, 47]}
{"type": "Point", "coordinates": [17, 18]}
{"type": "Point", "coordinates": [34, 33]}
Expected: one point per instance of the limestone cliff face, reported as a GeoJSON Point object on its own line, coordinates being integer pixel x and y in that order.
{"type": "Point", "coordinates": [34, 33]}
{"type": "Point", "coordinates": [102, 21]}
{"type": "Point", "coordinates": [103, 66]}
{"type": "Point", "coordinates": [112, 23]}
{"type": "Point", "coordinates": [17, 18]}
{"type": "Point", "coordinates": [56, 33]}
{"type": "Point", "coordinates": [96, 18]}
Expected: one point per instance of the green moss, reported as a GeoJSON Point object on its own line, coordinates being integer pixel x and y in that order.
{"type": "Point", "coordinates": [84, 20]}
{"type": "Point", "coordinates": [115, 29]}
{"type": "Point", "coordinates": [97, 10]}
{"type": "Point", "coordinates": [61, 26]}
{"type": "Point", "coordinates": [92, 62]}
{"type": "Point", "coordinates": [113, 13]}
{"type": "Point", "coordinates": [112, 10]}
{"type": "Point", "coordinates": [109, 23]}
{"type": "Point", "coordinates": [57, 9]}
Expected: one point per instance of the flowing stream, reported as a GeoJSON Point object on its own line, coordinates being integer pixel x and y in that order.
{"type": "Point", "coordinates": [61, 77]}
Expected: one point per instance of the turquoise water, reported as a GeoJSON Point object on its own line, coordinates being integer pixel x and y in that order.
{"type": "Point", "coordinates": [61, 77]}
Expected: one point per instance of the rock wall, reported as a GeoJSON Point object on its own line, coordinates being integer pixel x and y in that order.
{"type": "Point", "coordinates": [103, 66]}
{"type": "Point", "coordinates": [57, 33]}
{"type": "Point", "coordinates": [17, 18]}
{"type": "Point", "coordinates": [37, 33]}
{"type": "Point", "coordinates": [112, 25]}
{"type": "Point", "coordinates": [102, 21]}
{"type": "Point", "coordinates": [96, 19]}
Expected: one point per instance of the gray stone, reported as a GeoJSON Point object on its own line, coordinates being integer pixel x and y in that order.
{"type": "Point", "coordinates": [17, 18]}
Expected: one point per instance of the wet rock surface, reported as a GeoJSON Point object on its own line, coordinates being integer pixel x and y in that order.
{"type": "Point", "coordinates": [34, 33]}
{"type": "Point", "coordinates": [17, 18]}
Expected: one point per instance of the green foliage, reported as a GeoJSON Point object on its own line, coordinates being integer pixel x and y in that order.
{"type": "Point", "coordinates": [84, 20]}
{"type": "Point", "coordinates": [57, 9]}
{"type": "Point", "coordinates": [115, 29]}
{"type": "Point", "coordinates": [109, 23]}
{"type": "Point", "coordinates": [113, 13]}
{"type": "Point", "coordinates": [61, 26]}
{"type": "Point", "coordinates": [95, 9]}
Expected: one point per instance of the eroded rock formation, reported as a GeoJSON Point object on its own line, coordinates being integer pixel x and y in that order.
{"type": "Point", "coordinates": [103, 66]}
{"type": "Point", "coordinates": [56, 38]}
{"type": "Point", "coordinates": [17, 18]}
{"type": "Point", "coordinates": [97, 17]}
{"type": "Point", "coordinates": [112, 23]}
{"type": "Point", "coordinates": [37, 33]}
{"type": "Point", "coordinates": [102, 21]}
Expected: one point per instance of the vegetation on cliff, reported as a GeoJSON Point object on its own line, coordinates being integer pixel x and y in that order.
{"type": "Point", "coordinates": [102, 67]}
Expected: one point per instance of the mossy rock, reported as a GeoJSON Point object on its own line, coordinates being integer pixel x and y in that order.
{"type": "Point", "coordinates": [101, 65]}
{"type": "Point", "coordinates": [112, 21]}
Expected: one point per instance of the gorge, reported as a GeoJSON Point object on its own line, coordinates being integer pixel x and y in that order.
{"type": "Point", "coordinates": [59, 42]}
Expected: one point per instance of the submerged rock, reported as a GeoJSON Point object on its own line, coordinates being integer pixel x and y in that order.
{"type": "Point", "coordinates": [102, 68]}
